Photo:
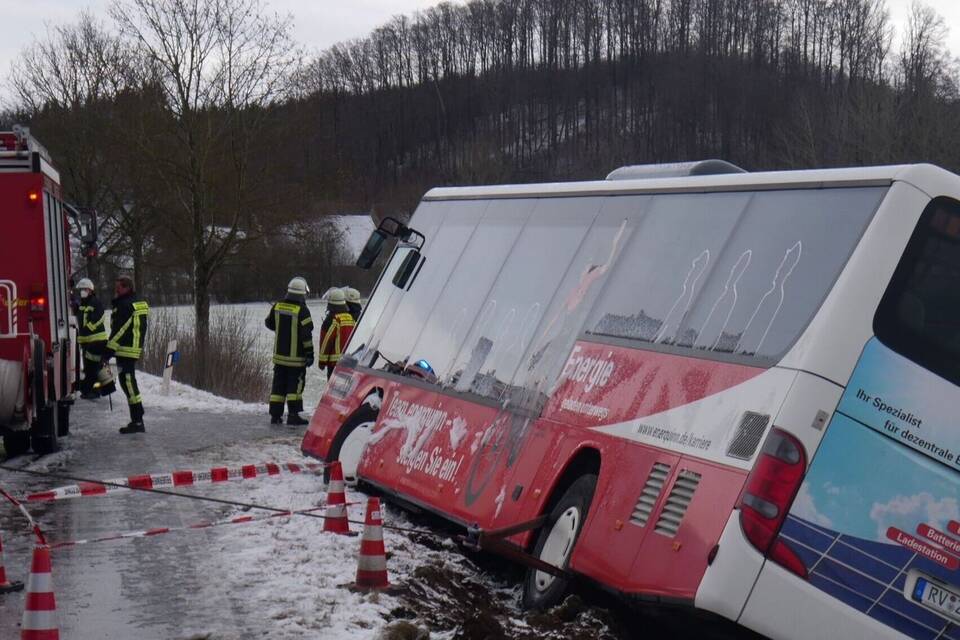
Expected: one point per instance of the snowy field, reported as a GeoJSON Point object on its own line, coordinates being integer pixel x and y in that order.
{"type": "Point", "coordinates": [254, 313]}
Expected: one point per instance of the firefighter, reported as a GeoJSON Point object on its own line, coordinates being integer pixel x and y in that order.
{"type": "Point", "coordinates": [91, 336]}
{"type": "Point", "coordinates": [128, 331]}
{"type": "Point", "coordinates": [292, 325]}
{"type": "Point", "coordinates": [335, 332]}
{"type": "Point", "coordinates": [353, 303]}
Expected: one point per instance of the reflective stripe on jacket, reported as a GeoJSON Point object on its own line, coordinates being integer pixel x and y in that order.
{"type": "Point", "coordinates": [335, 338]}
{"type": "Point", "coordinates": [92, 327]}
{"type": "Point", "coordinates": [293, 333]}
{"type": "Point", "coordinates": [129, 322]}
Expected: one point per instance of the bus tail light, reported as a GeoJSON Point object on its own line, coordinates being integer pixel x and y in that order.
{"type": "Point", "coordinates": [768, 494]}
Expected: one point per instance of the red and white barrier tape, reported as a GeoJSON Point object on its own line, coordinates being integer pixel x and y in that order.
{"type": "Point", "coordinates": [200, 525]}
{"type": "Point", "coordinates": [175, 479]}
{"type": "Point", "coordinates": [36, 528]}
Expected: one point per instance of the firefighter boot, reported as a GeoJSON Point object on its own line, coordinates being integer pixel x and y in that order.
{"type": "Point", "coordinates": [136, 420]}
{"type": "Point", "coordinates": [294, 420]}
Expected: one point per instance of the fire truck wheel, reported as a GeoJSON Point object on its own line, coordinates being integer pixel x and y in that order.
{"type": "Point", "coordinates": [348, 441]}
{"type": "Point", "coordinates": [555, 544]}
{"type": "Point", "coordinates": [43, 436]}
{"type": "Point", "coordinates": [63, 419]}
{"type": "Point", "coordinates": [16, 443]}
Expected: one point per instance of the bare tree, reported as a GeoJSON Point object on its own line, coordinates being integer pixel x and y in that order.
{"type": "Point", "coordinates": [218, 63]}
{"type": "Point", "coordinates": [68, 84]}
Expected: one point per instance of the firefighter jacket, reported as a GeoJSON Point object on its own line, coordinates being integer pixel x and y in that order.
{"type": "Point", "coordinates": [355, 309]}
{"type": "Point", "coordinates": [335, 338]}
{"type": "Point", "coordinates": [292, 325]}
{"type": "Point", "coordinates": [129, 326]}
{"type": "Point", "coordinates": [92, 328]}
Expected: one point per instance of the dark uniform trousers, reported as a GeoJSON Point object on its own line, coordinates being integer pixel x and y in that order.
{"type": "Point", "coordinates": [92, 363]}
{"type": "Point", "coordinates": [288, 385]}
{"type": "Point", "coordinates": [128, 381]}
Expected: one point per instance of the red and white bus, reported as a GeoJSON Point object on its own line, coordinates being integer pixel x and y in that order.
{"type": "Point", "coordinates": [729, 390]}
{"type": "Point", "coordinates": [37, 328]}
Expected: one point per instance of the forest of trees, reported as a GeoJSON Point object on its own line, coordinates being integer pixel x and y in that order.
{"type": "Point", "coordinates": [205, 137]}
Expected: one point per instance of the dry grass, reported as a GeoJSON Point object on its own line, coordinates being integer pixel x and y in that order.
{"type": "Point", "coordinates": [236, 367]}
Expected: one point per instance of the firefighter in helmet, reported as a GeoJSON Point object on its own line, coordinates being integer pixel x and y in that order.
{"type": "Point", "coordinates": [91, 336]}
{"type": "Point", "coordinates": [353, 303]}
{"type": "Point", "coordinates": [128, 332]}
{"type": "Point", "coordinates": [292, 325]}
{"type": "Point", "coordinates": [335, 331]}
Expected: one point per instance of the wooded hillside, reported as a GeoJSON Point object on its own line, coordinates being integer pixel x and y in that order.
{"type": "Point", "coordinates": [487, 91]}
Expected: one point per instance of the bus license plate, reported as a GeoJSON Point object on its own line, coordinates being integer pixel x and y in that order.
{"type": "Point", "coordinates": [937, 597]}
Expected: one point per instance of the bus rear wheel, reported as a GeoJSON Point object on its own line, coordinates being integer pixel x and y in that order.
{"type": "Point", "coordinates": [351, 440]}
{"type": "Point", "coordinates": [555, 544]}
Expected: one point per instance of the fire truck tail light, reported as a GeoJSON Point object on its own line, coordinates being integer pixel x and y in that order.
{"type": "Point", "coordinates": [768, 494]}
{"type": "Point", "coordinates": [33, 196]}
{"type": "Point", "coordinates": [38, 304]}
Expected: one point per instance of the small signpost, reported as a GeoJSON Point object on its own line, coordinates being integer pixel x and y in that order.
{"type": "Point", "coordinates": [173, 356]}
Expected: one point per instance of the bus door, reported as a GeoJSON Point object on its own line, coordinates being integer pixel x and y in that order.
{"type": "Point", "coordinates": [876, 522]}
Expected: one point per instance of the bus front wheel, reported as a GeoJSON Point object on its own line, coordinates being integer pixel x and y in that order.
{"type": "Point", "coordinates": [351, 440]}
{"type": "Point", "coordinates": [555, 544]}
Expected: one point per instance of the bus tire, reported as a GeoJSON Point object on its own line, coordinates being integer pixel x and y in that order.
{"type": "Point", "coordinates": [16, 443]}
{"type": "Point", "coordinates": [555, 544]}
{"type": "Point", "coordinates": [63, 419]}
{"type": "Point", "coordinates": [364, 414]}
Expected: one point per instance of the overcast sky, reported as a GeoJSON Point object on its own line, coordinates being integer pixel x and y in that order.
{"type": "Point", "coordinates": [318, 23]}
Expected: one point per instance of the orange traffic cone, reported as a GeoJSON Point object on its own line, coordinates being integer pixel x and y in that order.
{"type": "Point", "coordinates": [335, 517]}
{"type": "Point", "coordinates": [5, 585]}
{"type": "Point", "coordinates": [372, 561]}
{"type": "Point", "coordinates": [40, 612]}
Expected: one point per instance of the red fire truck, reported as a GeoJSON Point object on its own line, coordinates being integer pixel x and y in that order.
{"type": "Point", "coordinates": [37, 328]}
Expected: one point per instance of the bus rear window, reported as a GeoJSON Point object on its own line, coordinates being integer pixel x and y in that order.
{"type": "Point", "coordinates": [919, 315]}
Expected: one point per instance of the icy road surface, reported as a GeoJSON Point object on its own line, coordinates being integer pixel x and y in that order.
{"type": "Point", "coordinates": [280, 579]}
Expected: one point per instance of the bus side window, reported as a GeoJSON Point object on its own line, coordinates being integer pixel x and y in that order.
{"type": "Point", "coordinates": [576, 296]}
{"type": "Point", "coordinates": [527, 282]}
{"type": "Point", "coordinates": [738, 274]}
{"type": "Point", "coordinates": [669, 261]}
{"type": "Point", "coordinates": [462, 302]}
{"type": "Point", "coordinates": [919, 315]}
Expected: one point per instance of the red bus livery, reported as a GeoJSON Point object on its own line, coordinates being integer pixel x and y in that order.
{"type": "Point", "coordinates": [648, 369]}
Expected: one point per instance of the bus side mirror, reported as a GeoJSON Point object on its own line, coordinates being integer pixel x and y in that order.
{"type": "Point", "coordinates": [372, 249]}
{"type": "Point", "coordinates": [408, 270]}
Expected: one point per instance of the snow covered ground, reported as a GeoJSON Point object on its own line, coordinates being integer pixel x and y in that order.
{"type": "Point", "coordinates": [254, 313]}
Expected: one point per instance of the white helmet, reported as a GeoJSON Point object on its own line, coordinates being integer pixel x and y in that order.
{"type": "Point", "coordinates": [298, 286]}
{"type": "Point", "coordinates": [352, 294]}
{"type": "Point", "coordinates": [335, 296]}
{"type": "Point", "coordinates": [85, 283]}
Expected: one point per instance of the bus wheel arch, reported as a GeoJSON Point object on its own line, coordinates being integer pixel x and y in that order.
{"type": "Point", "coordinates": [352, 436]}
{"type": "Point", "coordinates": [567, 509]}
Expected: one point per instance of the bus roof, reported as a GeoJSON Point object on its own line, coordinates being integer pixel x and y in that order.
{"type": "Point", "coordinates": [928, 178]}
